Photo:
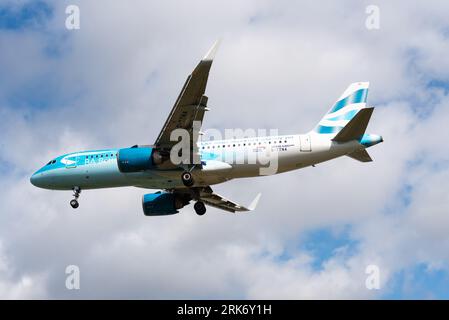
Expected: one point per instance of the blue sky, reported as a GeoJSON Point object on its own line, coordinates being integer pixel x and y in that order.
{"type": "Point", "coordinates": [28, 15]}
{"type": "Point", "coordinates": [281, 65]}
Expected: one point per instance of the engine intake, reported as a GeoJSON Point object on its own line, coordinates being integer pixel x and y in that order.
{"type": "Point", "coordinates": [163, 203]}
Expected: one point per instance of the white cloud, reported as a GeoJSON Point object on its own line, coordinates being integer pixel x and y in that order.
{"type": "Point", "coordinates": [280, 66]}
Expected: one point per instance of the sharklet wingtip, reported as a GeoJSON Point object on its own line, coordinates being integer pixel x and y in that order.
{"type": "Point", "coordinates": [210, 55]}
{"type": "Point", "coordinates": [254, 203]}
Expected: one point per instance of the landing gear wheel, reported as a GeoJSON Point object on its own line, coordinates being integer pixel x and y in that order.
{"type": "Point", "coordinates": [76, 193]}
{"type": "Point", "coordinates": [200, 208]}
{"type": "Point", "coordinates": [187, 179]}
{"type": "Point", "coordinates": [74, 203]}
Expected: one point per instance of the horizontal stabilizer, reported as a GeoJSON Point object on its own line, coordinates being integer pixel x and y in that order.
{"type": "Point", "coordinates": [355, 128]}
{"type": "Point", "coordinates": [361, 155]}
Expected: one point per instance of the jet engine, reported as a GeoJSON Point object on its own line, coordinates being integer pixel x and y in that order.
{"type": "Point", "coordinates": [163, 203]}
{"type": "Point", "coordinates": [140, 158]}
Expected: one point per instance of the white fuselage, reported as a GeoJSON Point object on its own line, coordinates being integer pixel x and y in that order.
{"type": "Point", "coordinates": [222, 160]}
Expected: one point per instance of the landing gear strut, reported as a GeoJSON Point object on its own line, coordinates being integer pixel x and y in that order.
{"type": "Point", "coordinates": [187, 179]}
{"type": "Point", "coordinates": [200, 208]}
{"type": "Point", "coordinates": [76, 193]}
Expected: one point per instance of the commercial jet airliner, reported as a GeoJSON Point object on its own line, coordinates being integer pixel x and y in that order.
{"type": "Point", "coordinates": [341, 132]}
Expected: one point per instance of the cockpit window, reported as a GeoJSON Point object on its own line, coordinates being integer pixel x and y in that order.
{"type": "Point", "coordinates": [51, 162]}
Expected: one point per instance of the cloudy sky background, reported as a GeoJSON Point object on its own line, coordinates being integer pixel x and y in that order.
{"type": "Point", "coordinates": [281, 65]}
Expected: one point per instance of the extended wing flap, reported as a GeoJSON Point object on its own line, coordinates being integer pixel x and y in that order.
{"type": "Point", "coordinates": [215, 200]}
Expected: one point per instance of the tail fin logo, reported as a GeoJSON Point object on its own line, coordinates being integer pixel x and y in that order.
{"type": "Point", "coordinates": [346, 107]}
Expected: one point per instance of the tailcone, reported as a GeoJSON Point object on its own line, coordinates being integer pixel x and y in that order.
{"type": "Point", "coordinates": [369, 140]}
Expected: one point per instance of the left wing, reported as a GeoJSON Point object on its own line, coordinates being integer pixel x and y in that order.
{"type": "Point", "coordinates": [215, 200]}
{"type": "Point", "coordinates": [190, 104]}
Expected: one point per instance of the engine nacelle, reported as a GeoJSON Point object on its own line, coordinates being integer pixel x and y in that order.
{"type": "Point", "coordinates": [135, 159]}
{"type": "Point", "coordinates": [163, 203]}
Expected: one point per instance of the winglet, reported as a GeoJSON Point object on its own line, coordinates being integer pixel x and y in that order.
{"type": "Point", "coordinates": [210, 55]}
{"type": "Point", "coordinates": [253, 204]}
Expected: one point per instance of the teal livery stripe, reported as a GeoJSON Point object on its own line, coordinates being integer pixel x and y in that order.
{"type": "Point", "coordinates": [346, 116]}
{"type": "Point", "coordinates": [357, 97]}
{"type": "Point", "coordinates": [325, 129]}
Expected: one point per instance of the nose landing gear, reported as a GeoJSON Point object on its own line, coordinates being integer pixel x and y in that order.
{"type": "Point", "coordinates": [76, 193]}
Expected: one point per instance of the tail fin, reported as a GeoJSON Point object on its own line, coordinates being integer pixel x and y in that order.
{"type": "Point", "coordinates": [345, 109]}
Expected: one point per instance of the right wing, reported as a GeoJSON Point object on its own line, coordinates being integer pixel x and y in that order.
{"type": "Point", "coordinates": [190, 104]}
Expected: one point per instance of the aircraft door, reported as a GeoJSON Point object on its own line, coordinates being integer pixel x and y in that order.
{"type": "Point", "coordinates": [306, 145]}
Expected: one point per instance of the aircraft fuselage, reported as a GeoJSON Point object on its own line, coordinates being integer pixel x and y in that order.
{"type": "Point", "coordinates": [222, 160]}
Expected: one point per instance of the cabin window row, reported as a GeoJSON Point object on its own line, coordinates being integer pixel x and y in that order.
{"type": "Point", "coordinates": [100, 156]}
{"type": "Point", "coordinates": [241, 144]}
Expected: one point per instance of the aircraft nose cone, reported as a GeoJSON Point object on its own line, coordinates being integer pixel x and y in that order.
{"type": "Point", "coordinates": [33, 180]}
{"type": "Point", "coordinates": [36, 180]}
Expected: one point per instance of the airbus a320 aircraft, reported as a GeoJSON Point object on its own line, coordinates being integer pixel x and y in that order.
{"type": "Point", "coordinates": [341, 132]}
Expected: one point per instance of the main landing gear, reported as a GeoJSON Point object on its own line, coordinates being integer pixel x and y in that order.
{"type": "Point", "coordinates": [200, 208]}
{"type": "Point", "coordinates": [187, 179]}
{"type": "Point", "coordinates": [76, 193]}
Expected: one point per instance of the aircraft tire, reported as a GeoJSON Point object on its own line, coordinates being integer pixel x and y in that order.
{"type": "Point", "coordinates": [187, 179]}
{"type": "Point", "coordinates": [74, 203]}
{"type": "Point", "coordinates": [200, 208]}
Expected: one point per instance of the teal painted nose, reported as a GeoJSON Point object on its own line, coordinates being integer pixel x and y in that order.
{"type": "Point", "coordinates": [38, 180]}
{"type": "Point", "coordinates": [34, 180]}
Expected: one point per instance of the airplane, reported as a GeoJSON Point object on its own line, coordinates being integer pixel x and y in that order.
{"type": "Point", "coordinates": [341, 132]}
